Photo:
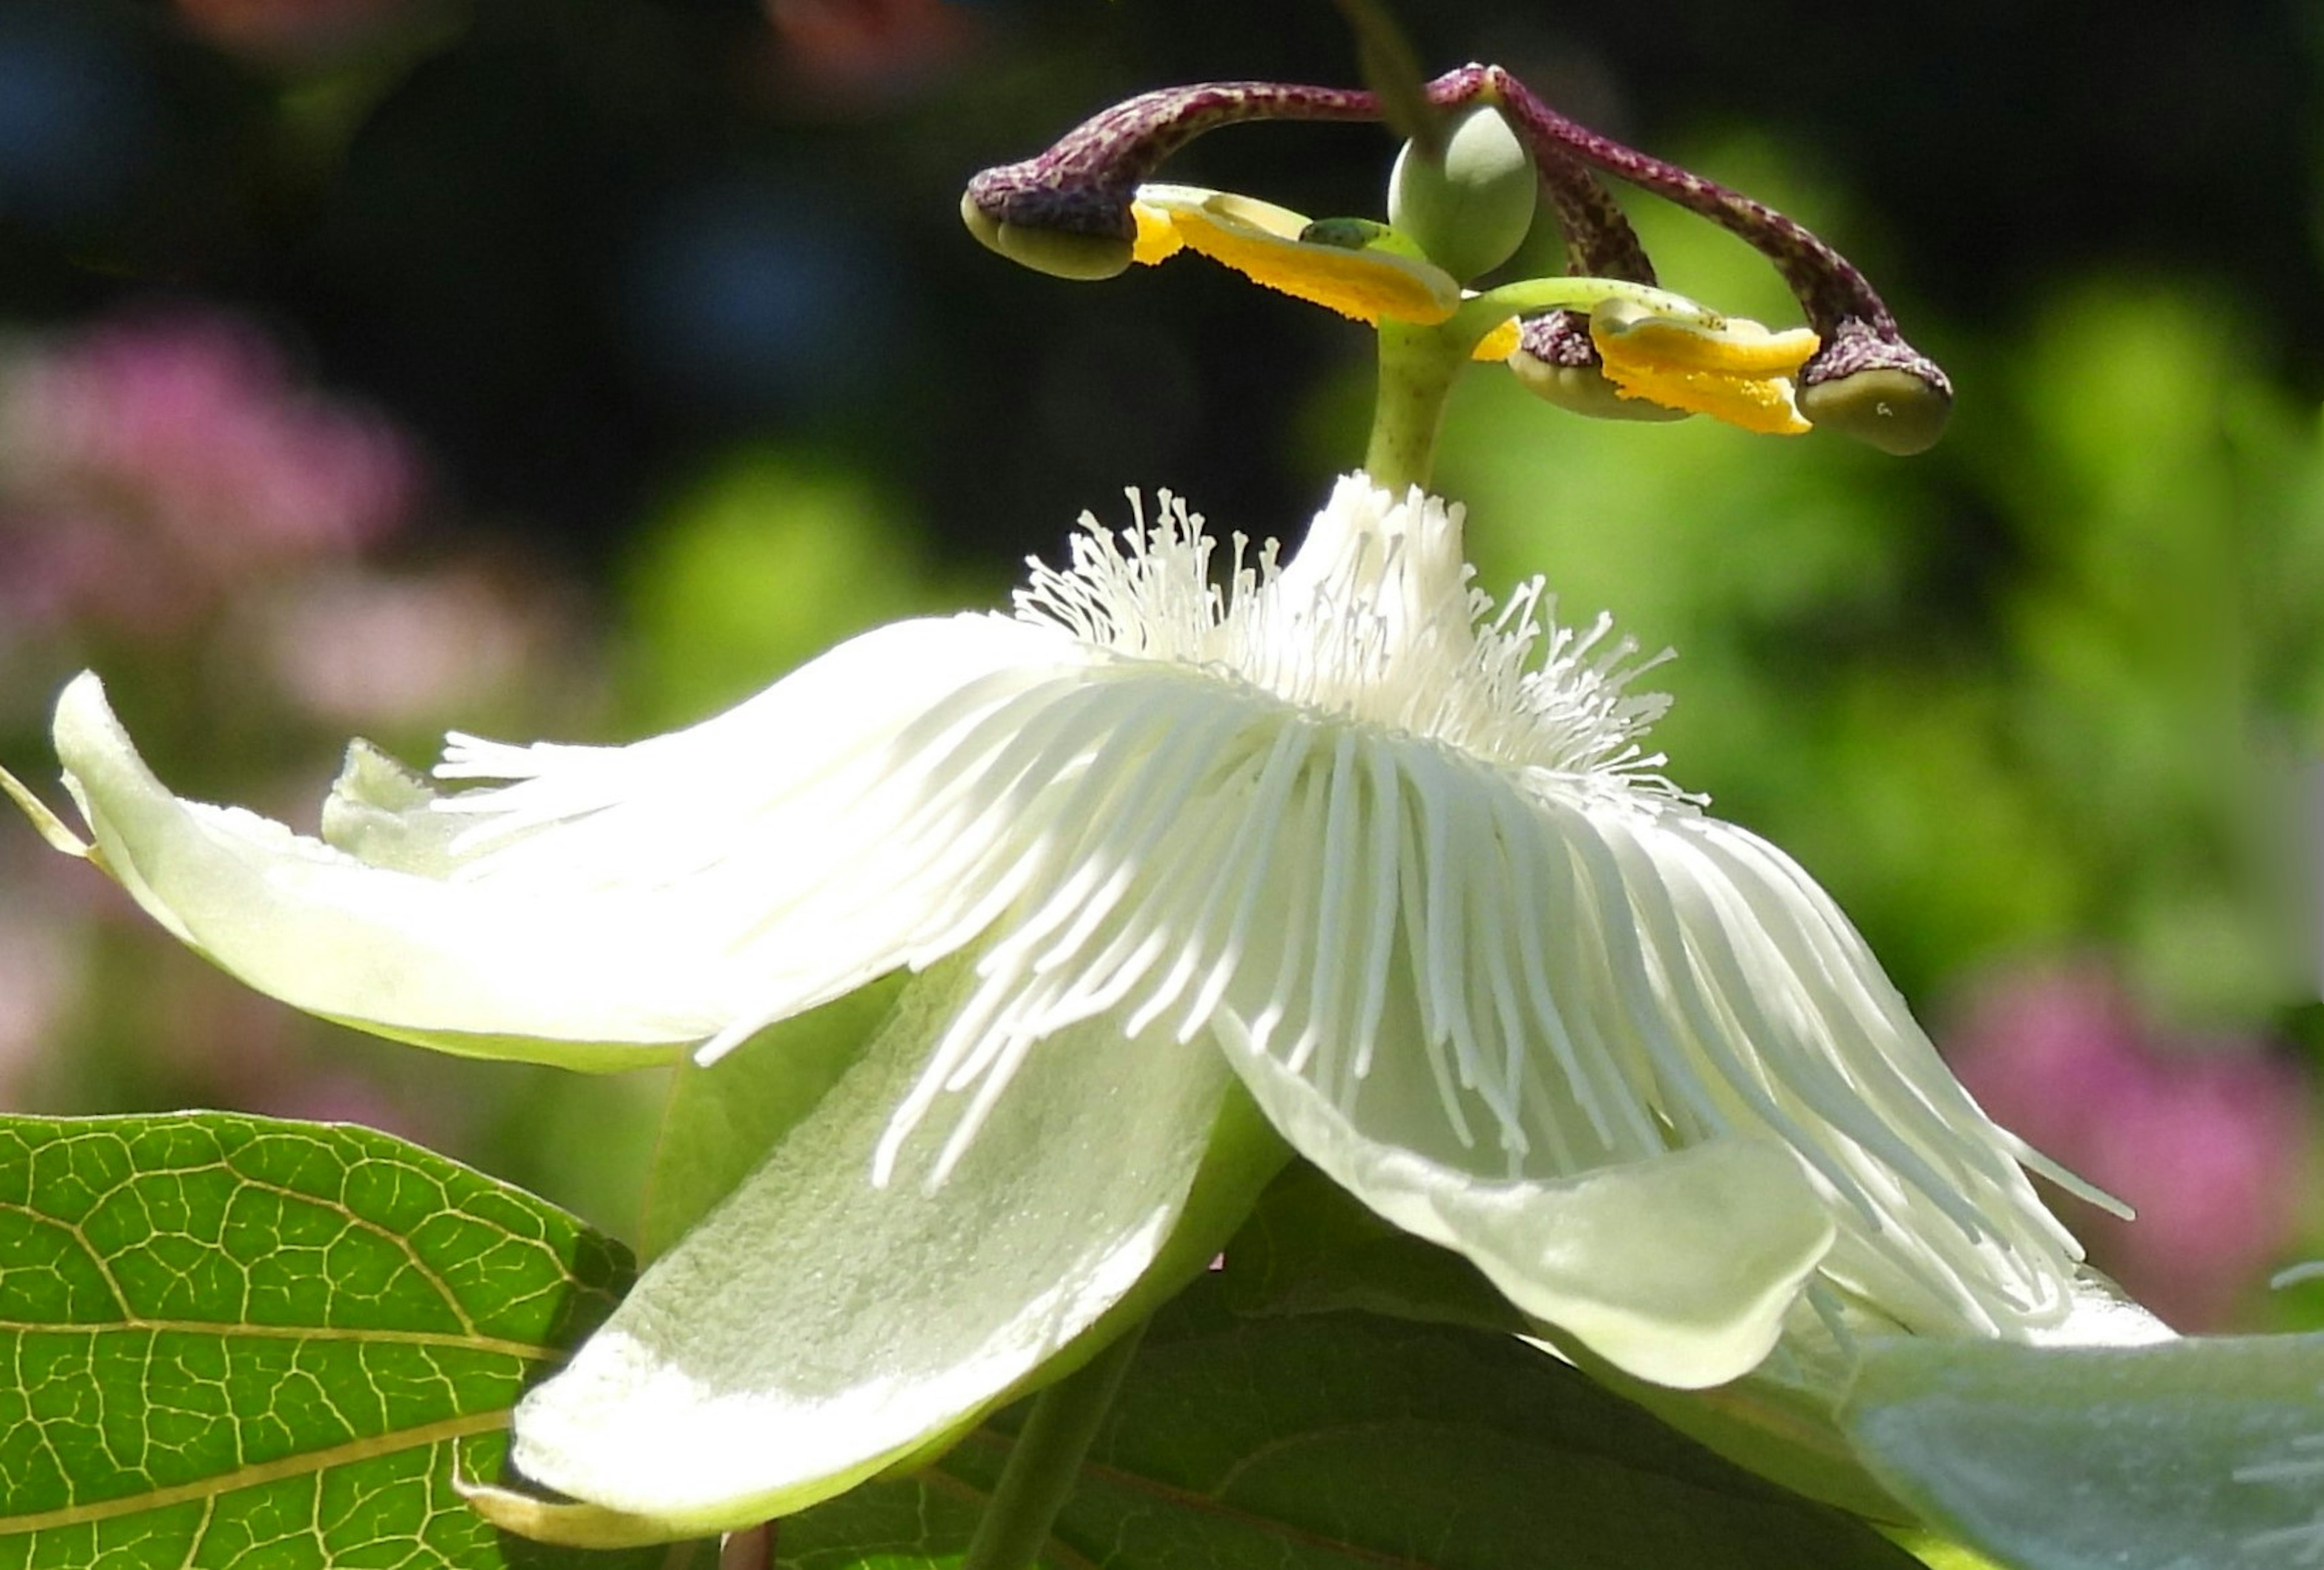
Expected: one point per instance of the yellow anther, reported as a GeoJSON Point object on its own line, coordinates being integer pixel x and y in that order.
{"type": "Point", "coordinates": [1158, 236]}
{"type": "Point", "coordinates": [1738, 371]}
{"type": "Point", "coordinates": [1497, 345]}
{"type": "Point", "coordinates": [1261, 241]}
{"type": "Point", "coordinates": [1761, 404]}
{"type": "Point", "coordinates": [1741, 348]}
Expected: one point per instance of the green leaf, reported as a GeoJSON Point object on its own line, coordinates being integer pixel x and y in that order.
{"type": "Point", "coordinates": [2203, 1453]}
{"type": "Point", "coordinates": [233, 1341]}
{"type": "Point", "coordinates": [1311, 1247]}
{"type": "Point", "coordinates": [1343, 1440]}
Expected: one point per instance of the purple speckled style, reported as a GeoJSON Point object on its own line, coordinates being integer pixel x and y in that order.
{"type": "Point", "coordinates": [1562, 338]}
{"type": "Point", "coordinates": [1083, 184]}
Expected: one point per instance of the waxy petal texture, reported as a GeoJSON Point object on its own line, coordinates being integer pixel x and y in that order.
{"type": "Point", "coordinates": [1261, 241]}
{"type": "Point", "coordinates": [817, 1326]}
{"type": "Point", "coordinates": [1678, 1268]}
{"type": "Point", "coordinates": [613, 901]}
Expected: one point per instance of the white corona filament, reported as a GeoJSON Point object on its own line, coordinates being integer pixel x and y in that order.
{"type": "Point", "coordinates": [1410, 845]}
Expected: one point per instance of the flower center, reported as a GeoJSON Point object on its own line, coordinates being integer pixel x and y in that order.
{"type": "Point", "coordinates": [1374, 620]}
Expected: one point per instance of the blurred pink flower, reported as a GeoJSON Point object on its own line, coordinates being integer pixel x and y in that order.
{"type": "Point", "coordinates": [40, 969]}
{"type": "Point", "coordinates": [354, 649]}
{"type": "Point", "coordinates": [323, 1095]}
{"type": "Point", "coordinates": [297, 33]}
{"type": "Point", "coordinates": [858, 52]}
{"type": "Point", "coordinates": [159, 460]}
{"type": "Point", "coordinates": [2209, 1140]}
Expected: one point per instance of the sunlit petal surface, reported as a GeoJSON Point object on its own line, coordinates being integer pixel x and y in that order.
{"type": "Point", "coordinates": [637, 896]}
{"type": "Point", "coordinates": [817, 1326]}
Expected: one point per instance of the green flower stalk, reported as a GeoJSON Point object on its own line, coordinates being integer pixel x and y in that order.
{"type": "Point", "coordinates": [1193, 866]}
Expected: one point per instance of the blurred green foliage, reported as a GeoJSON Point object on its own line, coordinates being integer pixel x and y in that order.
{"type": "Point", "coordinates": [765, 561]}
{"type": "Point", "coordinates": [2051, 686]}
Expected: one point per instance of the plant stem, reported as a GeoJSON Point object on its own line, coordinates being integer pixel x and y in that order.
{"type": "Point", "coordinates": [1418, 364]}
{"type": "Point", "coordinates": [1417, 368]}
{"type": "Point", "coordinates": [1046, 1460]}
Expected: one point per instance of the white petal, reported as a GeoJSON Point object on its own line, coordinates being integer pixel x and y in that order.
{"type": "Point", "coordinates": [1939, 1225]}
{"type": "Point", "coordinates": [647, 896]}
{"type": "Point", "coordinates": [1489, 982]}
{"type": "Point", "coordinates": [865, 813]}
{"type": "Point", "coordinates": [1678, 1268]}
{"type": "Point", "coordinates": [1224, 860]}
{"type": "Point", "coordinates": [816, 1327]}
{"type": "Point", "coordinates": [394, 952]}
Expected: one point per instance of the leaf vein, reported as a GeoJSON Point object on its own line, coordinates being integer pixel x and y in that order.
{"type": "Point", "coordinates": [208, 1489]}
{"type": "Point", "coordinates": [526, 1350]}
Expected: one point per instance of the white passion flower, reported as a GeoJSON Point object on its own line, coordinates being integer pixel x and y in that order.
{"type": "Point", "coordinates": [1337, 838]}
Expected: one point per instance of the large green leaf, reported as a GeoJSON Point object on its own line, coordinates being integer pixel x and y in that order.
{"type": "Point", "coordinates": [1343, 1440]}
{"type": "Point", "coordinates": [1311, 1247]}
{"type": "Point", "coordinates": [2205, 1453]}
{"type": "Point", "coordinates": [231, 1341]}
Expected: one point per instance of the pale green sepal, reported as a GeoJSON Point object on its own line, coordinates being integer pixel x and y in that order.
{"type": "Point", "coordinates": [378, 811]}
{"type": "Point", "coordinates": [574, 1056]}
{"type": "Point", "coordinates": [1241, 1156]}
{"type": "Point", "coordinates": [2202, 1455]}
{"type": "Point", "coordinates": [569, 1525]}
{"type": "Point", "coordinates": [1470, 211]}
{"type": "Point", "coordinates": [47, 823]}
{"type": "Point", "coordinates": [1244, 1156]}
{"type": "Point", "coordinates": [455, 965]}
{"type": "Point", "coordinates": [721, 1120]}
{"type": "Point", "coordinates": [1678, 1268]}
{"type": "Point", "coordinates": [815, 1329]}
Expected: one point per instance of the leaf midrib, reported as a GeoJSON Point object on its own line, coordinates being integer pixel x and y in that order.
{"type": "Point", "coordinates": [232, 1331]}
{"type": "Point", "coordinates": [223, 1483]}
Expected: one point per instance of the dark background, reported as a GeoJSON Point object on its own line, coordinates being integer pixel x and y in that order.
{"type": "Point", "coordinates": [576, 242]}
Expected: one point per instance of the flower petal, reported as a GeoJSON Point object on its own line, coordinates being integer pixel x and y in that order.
{"type": "Point", "coordinates": [1940, 1225]}
{"type": "Point", "coordinates": [1489, 982]}
{"type": "Point", "coordinates": [1678, 1268]}
{"type": "Point", "coordinates": [610, 898]}
{"type": "Point", "coordinates": [316, 928]}
{"type": "Point", "coordinates": [817, 1327]}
